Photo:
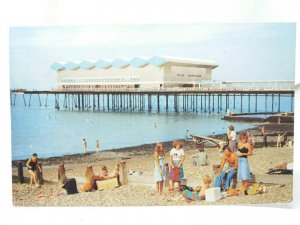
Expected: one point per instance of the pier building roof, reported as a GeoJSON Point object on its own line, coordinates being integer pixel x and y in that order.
{"type": "Point", "coordinates": [135, 62]}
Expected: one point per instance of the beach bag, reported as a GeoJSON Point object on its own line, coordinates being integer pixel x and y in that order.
{"type": "Point", "coordinates": [213, 194]}
{"type": "Point", "coordinates": [232, 192]}
{"type": "Point", "coordinates": [70, 186]}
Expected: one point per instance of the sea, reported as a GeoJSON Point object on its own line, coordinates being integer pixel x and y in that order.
{"type": "Point", "coordinates": [50, 132]}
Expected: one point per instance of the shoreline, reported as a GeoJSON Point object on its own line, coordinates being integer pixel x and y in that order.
{"type": "Point", "coordinates": [143, 149]}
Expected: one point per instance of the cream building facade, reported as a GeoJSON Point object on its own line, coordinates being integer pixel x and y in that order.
{"type": "Point", "coordinates": [137, 73]}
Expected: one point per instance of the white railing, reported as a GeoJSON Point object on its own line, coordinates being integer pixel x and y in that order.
{"type": "Point", "coordinates": [171, 89]}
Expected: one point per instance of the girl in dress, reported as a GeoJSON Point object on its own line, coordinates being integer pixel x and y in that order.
{"type": "Point", "coordinates": [159, 168]}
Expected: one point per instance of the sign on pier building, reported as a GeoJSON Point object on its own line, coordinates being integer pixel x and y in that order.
{"type": "Point", "coordinates": [137, 73]}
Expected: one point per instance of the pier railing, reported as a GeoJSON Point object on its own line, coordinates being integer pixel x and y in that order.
{"type": "Point", "coordinates": [171, 98]}
{"type": "Point", "coordinates": [153, 90]}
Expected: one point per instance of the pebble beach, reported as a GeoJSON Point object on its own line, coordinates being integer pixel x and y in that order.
{"type": "Point", "coordinates": [140, 158]}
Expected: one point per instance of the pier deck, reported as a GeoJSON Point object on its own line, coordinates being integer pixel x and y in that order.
{"type": "Point", "coordinates": [177, 99]}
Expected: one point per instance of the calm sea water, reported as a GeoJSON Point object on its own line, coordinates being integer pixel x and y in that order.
{"type": "Point", "coordinates": [50, 132]}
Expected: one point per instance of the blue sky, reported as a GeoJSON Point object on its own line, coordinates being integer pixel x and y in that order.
{"type": "Point", "coordinates": [243, 51]}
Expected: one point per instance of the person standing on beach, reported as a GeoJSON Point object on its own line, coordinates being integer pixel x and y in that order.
{"type": "Point", "coordinates": [33, 166]}
{"type": "Point", "coordinates": [245, 149]}
{"type": "Point", "coordinates": [187, 135]}
{"type": "Point", "coordinates": [84, 146]}
{"type": "Point", "coordinates": [159, 168]}
{"type": "Point", "coordinates": [177, 157]}
{"type": "Point", "coordinates": [231, 135]}
{"type": "Point", "coordinates": [97, 146]}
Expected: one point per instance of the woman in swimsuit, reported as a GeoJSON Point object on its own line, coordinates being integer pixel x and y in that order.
{"type": "Point", "coordinates": [33, 166]}
{"type": "Point", "coordinates": [245, 149]}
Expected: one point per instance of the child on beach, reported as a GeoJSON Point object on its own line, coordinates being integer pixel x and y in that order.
{"type": "Point", "coordinates": [197, 193]}
{"type": "Point", "coordinates": [103, 172]}
{"type": "Point", "coordinates": [177, 157]}
{"type": "Point", "coordinates": [97, 145]}
{"type": "Point", "coordinates": [200, 159]}
{"type": "Point", "coordinates": [84, 145]}
{"type": "Point", "coordinates": [231, 135]}
{"type": "Point", "coordinates": [159, 168]}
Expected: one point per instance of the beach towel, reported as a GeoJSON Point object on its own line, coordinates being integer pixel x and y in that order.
{"type": "Point", "coordinates": [176, 174]}
{"type": "Point", "coordinates": [256, 189]}
{"type": "Point", "coordinates": [191, 196]}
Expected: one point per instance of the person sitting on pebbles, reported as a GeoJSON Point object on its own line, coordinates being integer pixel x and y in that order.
{"type": "Point", "coordinates": [195, 193]}
{"type": "Point", "coordinates": [200, 159]}
{"type": "Point", "coordinates": [228, 173]}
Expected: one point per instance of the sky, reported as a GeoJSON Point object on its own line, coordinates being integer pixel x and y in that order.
{"type": "Point", "coordinates": [262, 51]}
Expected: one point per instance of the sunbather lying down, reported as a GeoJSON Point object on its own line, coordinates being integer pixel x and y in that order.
{"type": "Point", "coordinates": [194, 193]}
{"type": "Point", "coordinates": [285, 168]}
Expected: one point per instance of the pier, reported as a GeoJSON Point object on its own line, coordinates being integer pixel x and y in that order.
{"type": "Point", "coordinates": [178, 100]}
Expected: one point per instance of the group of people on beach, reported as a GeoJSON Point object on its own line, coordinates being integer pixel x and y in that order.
{"type": "Point", "coordinates": [176, 172]}
{"type": "Point", "coordinates": [85, 145]}
{"type": "Point", "coordinates": [91, 178]}
{"type": "Point", "coordinates": [234, 154]}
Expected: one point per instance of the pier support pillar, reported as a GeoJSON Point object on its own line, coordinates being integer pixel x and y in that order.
{"type": "Point", "coordinates": [167, 102]}
{"type": "Point", "coordinates": [39, 100]}
{"type": "Point", "coordinates": [78, 101]}
{"type": "Point", "coordinates": [234, 102]}
{"type": "Point", "coordinates": [292, 102]}
{"type": "Point", "coordinates": [255, 102]}
{"type": "Point", "coordinates": [82, 101]}
{"type": "Point", "coordinates": [241, 102]}
{"type": "Point", "coordinates": [249, 102]}
{"type": "Point", "coordinates": [204, 102]}
{"type": "Point", "coordinates": [221, 96]}
{"type": "Point", "coordinates": [272, 102]}
{"type": "Point", "coordinates": [196, 103]}
{"type": "Point", "coordinates": [209, 102]}
{"type": "Point", "coordinates": [24, 100]}
{"type": "Point", "coordinates": [278, 102]}
{"type": "Point", "coordinates": [46, 100]}
{"type": "Point", "coordinates": [266, 102]}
